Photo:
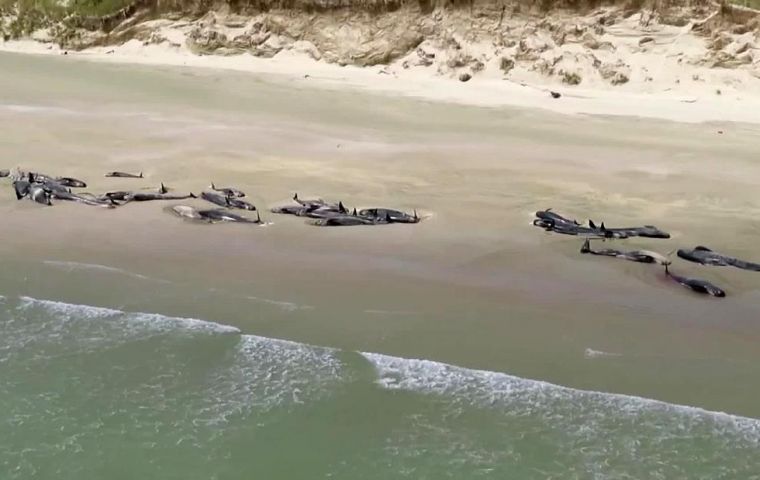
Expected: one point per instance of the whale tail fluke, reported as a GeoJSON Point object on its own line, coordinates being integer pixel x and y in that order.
{"type": "Point", "coordinates": [586, 248]}
{"type": "Point", "coordinates": [416, 218]}
{"type": "Point", "coordinates": [141, 175]}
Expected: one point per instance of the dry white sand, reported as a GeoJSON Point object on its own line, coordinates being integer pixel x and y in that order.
{"type": "Point", "coordinates": [667, 79]}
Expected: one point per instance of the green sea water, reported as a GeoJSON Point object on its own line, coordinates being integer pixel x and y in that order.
{"type": "Point", "coordinates": [89, 393]}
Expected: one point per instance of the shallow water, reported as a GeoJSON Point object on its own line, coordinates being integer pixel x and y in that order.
{"type": "Point", "coordinates": [107, 393]}
{"type": "Point", "coordinates": [91, 392]}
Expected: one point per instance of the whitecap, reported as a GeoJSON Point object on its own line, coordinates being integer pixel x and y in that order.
{"type": "Point", "coordinates": [534, 397]}
{"type": "Point", "coordinates": [590, 353]}
{"type": "Point", "coordinates": [266, 373]}
{"type": "Point", "coordinates": [281, 304]}
{"type": "Point", "coordinates": [71, 266]}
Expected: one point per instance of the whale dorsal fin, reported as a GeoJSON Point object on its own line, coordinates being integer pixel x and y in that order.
{"type": "Point", "coordinates": [701, 248]}
{"type": "Point", "coordinates": [141, 175]}
{"type": "Point", "coordinates": [592, 224]}
{"type": "Point", "coordinates": [416, 218]}
{"type": "Point", "coordinates": [603, 227]}
{"type": "Point", "coordinates": [258, 216]}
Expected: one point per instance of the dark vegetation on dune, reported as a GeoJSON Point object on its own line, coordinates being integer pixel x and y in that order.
{"type": "Point", "coordinates": [106, 14]}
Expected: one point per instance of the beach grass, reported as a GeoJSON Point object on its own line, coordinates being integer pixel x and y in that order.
{"type": "Point", "coordinates": [56, 8]}
{"type": "Point", "coordinates": [747, 3]}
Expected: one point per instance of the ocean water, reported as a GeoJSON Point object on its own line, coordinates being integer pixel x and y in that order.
{"type": "Point", "coordinates": [89, 392]}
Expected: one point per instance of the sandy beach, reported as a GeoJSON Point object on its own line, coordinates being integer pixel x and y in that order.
{"type": "Point", "coordinates": [603, 62]}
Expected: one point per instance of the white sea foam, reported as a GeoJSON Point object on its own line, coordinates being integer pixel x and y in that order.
{"type": "Point", "coordinates": [18, 108]}
{"type": "Point", "coordinates": [281, 304]}
{"type": "Point", "coordinates": [71, 266]}
{"type": "Point", "coordinates": [265, 373]}
{"type": "Point", "coordinates": [158, 322]}
{"type": "Point", "coordinates": [388, 312]}
{"type": "Point", "coordinates": [556, 403]}
{"type": "Point", "coordinates": [68, 310]}
{"type": "Point", "coordinates": [590, 353]}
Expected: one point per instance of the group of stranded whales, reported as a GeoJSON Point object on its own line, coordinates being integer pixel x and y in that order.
{"type": "Point", "coordinates": [556, 223]}
{"type": "Point", "coordinates": [43, 189]}
{"type": "Point", "coordinates": [325, 214]}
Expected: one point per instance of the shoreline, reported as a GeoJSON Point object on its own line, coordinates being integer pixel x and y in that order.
{"type": "Point", "coordinates": [484, 288]}
{"type": "Point", "coordinates": [694, 106]}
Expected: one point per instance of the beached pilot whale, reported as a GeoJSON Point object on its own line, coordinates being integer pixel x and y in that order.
{"type": "Point", "coordinates": [705, 256]}
{"type": "Point", "coordinates": [124, 175]}
{"type": "Point", "coordinates": [641, 256]}
{"type": "Point", "coordinates": [71, 182]}
{"type": "Point", "coordinates": [214, 198]}
{"type": "Point", "coordinates": [325, 211]}
{"type": "Point", "coordinates": [85, 198]}
{"type": "Point", "coordinates": [700, 286]}
{"type": "Point", "coordinates": [554, 222]}
{"type": "Point", "coordinates": [316, 203]}
{"type": "Point", "coordinates": [565, 226]}
{"type": "Point", "coordinates": [228, 202]}
{"type": "Point", "coordinates": [120, 196]}
{"type": "Point", "coordinates": [213, 215]}
{"type": "Point", "coordinates": [39, 194]}
{"type": "Point", "coordinates": [288, 210]}
{"type": "Point", "coordinates": [147, 196]}
{"type": "Point", "coordinates": [647, 231]}
{"type": "Point", "coordinates": [21, 188]}
{"type": "Point", "coordinates": [551, 217]}
{"type": "Point", "coordinates": [342, 221]}
{"type": "Point", "coordinates": [233, 202]}
{"type": "Point", "coordinates": [228, 191]}
{"type": "Point", "coordinates": [222, 215]}
{"type": "Point", "coordinates": [185, 211]}
{"type": "Point", "coordinates": [312, 208]}
{"type": "Point", "coordinates": [388, 216]}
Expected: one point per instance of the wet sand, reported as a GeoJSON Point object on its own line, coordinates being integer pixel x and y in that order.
{"type": "Point", "coordinates": [474, 285]}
